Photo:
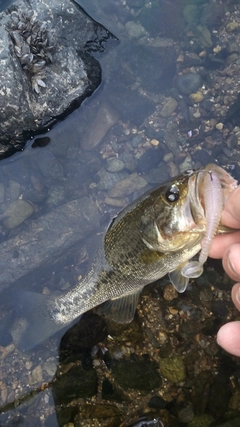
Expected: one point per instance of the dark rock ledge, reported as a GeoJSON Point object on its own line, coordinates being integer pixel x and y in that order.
{"type": "Point", "coordinates": [46, 67]}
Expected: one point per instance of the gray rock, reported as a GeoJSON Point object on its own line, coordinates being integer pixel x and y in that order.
{"type": "Point", "coordinates": [17, 213]}
{"type": "Point", "coordinates": [40, 241]}
{"type": "Point", "coordinates": [50, 366]}
{"type": "Point", "coordinates": [45, 70]}
{"type": "Point", "coordinates": [128, 185]}
{"type": "Point", "coordinates": [105, 118]}
{"type": "Point", "coordinates": [115, 165]}
{"type": "Point", "coordinates": [48, 164]}
{"type": "Point", "coordinates": [169, 107]}
{"type": "Point", "coordinates": [188, 83]}
{"type": "Point", "coordinates": [14, 190]}
{"type": "Point", "coordinates": [108, 179]}
{"type": "Point", "coordinates": [75, 383]}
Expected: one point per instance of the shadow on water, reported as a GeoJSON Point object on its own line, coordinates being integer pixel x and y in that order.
{"type": "Point", "coordinates": [141, 126]}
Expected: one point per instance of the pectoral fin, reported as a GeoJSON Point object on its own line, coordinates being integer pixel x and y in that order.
{"type": "Point", "coordinates": [179, 282]}
{"type": "Point", "coordinates": [121, 310]}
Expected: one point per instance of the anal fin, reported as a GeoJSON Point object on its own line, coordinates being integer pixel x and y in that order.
{"type": "Point", "coordinates": [179, 282]}
{"type": "Point", "coordinates": [122, 309]}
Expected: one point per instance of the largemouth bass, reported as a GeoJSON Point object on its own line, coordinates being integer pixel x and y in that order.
{"type": "Point", "coordinates": [157, 234]}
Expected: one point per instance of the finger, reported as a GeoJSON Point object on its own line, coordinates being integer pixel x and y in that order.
{"type": "Point", "coordinates": [228, 337]}
{"type": "Point", "coordinates": [231, 212]}
{"type": "Point", "coordinates": [236, 295]}
{"type": "Point", "coordinates": [222, 243]}
{"type": "Point", "coordinates": [230, 261]}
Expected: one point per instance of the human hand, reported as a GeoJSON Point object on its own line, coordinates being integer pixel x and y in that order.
{"type": "Point", "coordinates": [227, 247]}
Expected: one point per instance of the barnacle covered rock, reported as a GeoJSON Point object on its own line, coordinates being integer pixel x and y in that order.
{"type": "Point", "coordinates": [47, 69]}
{"type": "Point", "coordinates": [31, 45]}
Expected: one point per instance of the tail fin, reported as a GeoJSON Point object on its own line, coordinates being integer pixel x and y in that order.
{"type": "Point", "coordinates": [40, 324]}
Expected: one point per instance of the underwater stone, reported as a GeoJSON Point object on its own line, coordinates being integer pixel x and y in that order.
{"type": "Point", "coordinates": [105, 118]}
{"type": "Point", "coordinates": [14, 190]}
{"type": "Point", "coordinates": [150, 159]}
{"type": "Point", "coordinates": [17, 213]}
{"type": "Point", "coordinates": [76, 383]}
{"type": "Point", "coordinates": [203, 420]}
{"type": "Point", "coordinates": [169, 107]}
{"type": "Point", "coordinates": [115, 165]}
{"type": "Point", "coordinates": [101, 412]}
{"type": "Point", "coordinates": [173, 369]}
{"type": "Point", "coordinates": [127, 186]}
{"type": "Point", "coordinates": [188, 83]}
{"type": "Point", "coordinates": [40, 241]}
{"type": "Point", "coordinates": [137, 374]}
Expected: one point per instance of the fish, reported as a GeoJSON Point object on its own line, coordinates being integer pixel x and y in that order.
{"type": "Point", "coordinates": [156, 234]}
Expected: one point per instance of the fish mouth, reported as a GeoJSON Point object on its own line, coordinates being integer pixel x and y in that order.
{"type": "Point", "coordinates": [196, 191]}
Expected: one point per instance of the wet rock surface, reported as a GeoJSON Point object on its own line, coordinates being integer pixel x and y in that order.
{"type": "Point", "coordinates": [41, 237]}
{"type": "Point", "coordinates": [46, 68]}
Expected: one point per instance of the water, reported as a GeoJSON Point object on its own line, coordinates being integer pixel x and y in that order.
{"type": "Point", "coordinates": [139, 120]}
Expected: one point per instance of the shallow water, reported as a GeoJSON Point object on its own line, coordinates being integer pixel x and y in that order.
{"type": "Point", "coordinates": [134, 123]}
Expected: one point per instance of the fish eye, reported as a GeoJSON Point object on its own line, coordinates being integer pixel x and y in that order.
{"type": "Point", "coordinates": [172, 194]}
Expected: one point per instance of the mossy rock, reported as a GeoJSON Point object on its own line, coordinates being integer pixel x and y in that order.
{"type": "Point", "coordinates": [137, 374]}
{"type": "Point", "coordinates": [173, 369]}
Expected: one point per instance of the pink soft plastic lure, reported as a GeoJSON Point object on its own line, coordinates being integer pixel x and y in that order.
{"type": "Point", "coordinates": [213, 203]}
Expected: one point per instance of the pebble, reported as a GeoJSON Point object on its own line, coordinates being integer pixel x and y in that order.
{"type": "Point", "coordinates": [232, 26]}
{"type": "Point", "coordinates": [204, 36]}
{"type": "Point", "coordinates": [14, 190]}
{"type": "Point", "coordinates": [186, 415]}
{"type": "Point", "coordinates": [203, 420]}
{"type": "Point", "coordinates": [50, 366]}
{"type": "Point", "coordinates": [188, 83]}
{"type": "Point", "coordinates": [17, 213]}
{"type": "Point", "coordinates": [106, 116]}
{"type": "Point", "coordinates": [115, 165]}
{"type": "Point", "coordinates": [136, 141]}
{"type": "Point", "coordinates": [127, 186]}
{"type": "Point", "coordinates": [108, 179]}
{"type": "Point", "coordinates": [186, 164]}
{"type": "Point", "coordinates": [219, 126]}
{"type": "Point", "coordinates": [135, 30]}
{"type": "Point", "coordinates": [169, 292]}
{"type": "Point", "coordinates": [173, 369]}
{"type": "Point", "coordinates": [150, 159]}
{"type": "Point", "coordinates": [197, 96]}
{"type": "Point", "coordinates": [56, 195]}
{"type": "Point", "coordinates": [197, 114]}
{"type": "Point", "coordinates": [154, 142]}
{"type": "Point", "coordinates": [169, 107]}
{"type": "Point", "coordinates": [112, 201]}
{"type": "Point", "coordinates": [157, 402]}
{"type": "Point", "coordinates": [36, 375]}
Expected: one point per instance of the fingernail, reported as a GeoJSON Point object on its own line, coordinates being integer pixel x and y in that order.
{"type": "Point", "coordinates": [231, 266]}
{"type": "Point", "coordinates": [238, 296]}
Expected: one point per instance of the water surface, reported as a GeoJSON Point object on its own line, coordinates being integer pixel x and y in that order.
{"type": "Point", "coordinates": [142, 120]}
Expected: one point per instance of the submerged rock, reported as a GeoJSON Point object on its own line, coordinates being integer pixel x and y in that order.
{"type": "Point", "coordinates": [75, 383]}
{"type": "Point", "coordinates": [40, 241]}
{"type": "Point", "coordinates": [188, 83]}
{"type": "Point", "coordinates": [173, 369]}
{"type": "Point", "coordinates": [137, 374]}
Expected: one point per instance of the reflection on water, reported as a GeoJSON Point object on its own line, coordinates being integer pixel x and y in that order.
{"type": "Point", "coordinates": [162, 108]}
